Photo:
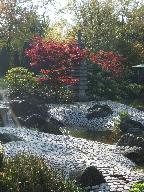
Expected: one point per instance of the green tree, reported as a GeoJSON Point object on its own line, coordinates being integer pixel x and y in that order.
{"type": "Point", "coordinates": [19, 21]}
{"type": "Point", "coordinates": [111, 25]}
{"type": "Point", "coordinates": [97, 22]}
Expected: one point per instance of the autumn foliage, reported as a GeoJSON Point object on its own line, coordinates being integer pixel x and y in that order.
{"type": "Point", "coordinates": [55, 60]}
{"type": "Point", "coordinates": [109, 61]}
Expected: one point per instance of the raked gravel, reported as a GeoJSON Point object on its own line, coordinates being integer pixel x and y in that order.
{"type": "Point", "coordinates": [74, 115]}
{"type": "Point", "coordinates": [75, 154]}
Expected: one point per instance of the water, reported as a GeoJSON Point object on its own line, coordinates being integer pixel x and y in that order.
{"type": "Point", "coordinates": [108, 137]}
{"type": "Point", "coordinates": [5, 112]}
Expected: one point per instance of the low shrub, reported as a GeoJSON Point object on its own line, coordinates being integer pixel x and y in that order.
{"type": "Point", "coordinates": [27, 173]}
{"type": "Point", "coordinates": [20, 81]}
{"type": "Point", "coordinates": [135, 90]}
{"type": "Point", "coordinates": [50, 95]}
{"type": "Point", "coordinates": [102, 85]}
{"type": "Point", "coordinates": [137, 187]}
{"type": "Point", "coordinates": [123, 115]}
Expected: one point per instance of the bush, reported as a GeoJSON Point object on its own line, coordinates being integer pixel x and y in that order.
{"type": "Point", "coordinates": [135, 90]}
{"type": "Point", "coordinates": [123, 115]}
{"type": "Point", "coordinates": [20, 81]}
{"type": "Point", "coordinates": [102, 85]}
{"type": "Point", "coordinates": [27, 173]}
{"type": "Point", "coordinates": [50, 95]}
{"type": "Point", "coordinates": [138, 187]}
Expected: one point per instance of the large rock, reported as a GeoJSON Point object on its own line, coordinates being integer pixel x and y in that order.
{"type": "Point", "coordinates": [129, 125]}
{"type": "Point", "coordinates": [33, 114]}
{"type": "Point", "coordinates": [5, 138]}
{"type": "Point", "coordinates": [24, 108]}
{"type": "Point", "coordinates": [91, 177]}
{"type": "Point", "coordinates": [131, 140]}
{"type": "Point", "coordinates": [135, 154]}
{"type": "Point", "coordinates": [134, 148]}
{"type": "Point", "coordinates": [99, 111]}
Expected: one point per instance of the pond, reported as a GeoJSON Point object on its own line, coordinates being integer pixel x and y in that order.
{"type": "Point", "coordinates": [108, 137]}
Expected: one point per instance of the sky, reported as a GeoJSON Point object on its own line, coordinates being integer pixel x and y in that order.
{"type": "Point", "coordinates": [52, 10]}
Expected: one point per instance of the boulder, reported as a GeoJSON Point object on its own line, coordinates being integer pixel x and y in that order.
{"type": "Point", "coordinates": [134, 147]}
{"type": "Point", "coordinates": [91, 176]}
{"type": "Point", "coordinates": [47, 126]}
{"type": "Point", "coordinates": [7, 137]}
{"type": "Point", "coordinates": [128, 125]}
{"type": "Point", "coordinates": [24, 108]}
{"type": "Point", "coordinates": [135, 154]}
{"type": "Point", "coordinates": [33, 114]}
{"type": "Point", "coordinates": [98, 111]}
{"type": "Point", "coordinates": [131, 140]}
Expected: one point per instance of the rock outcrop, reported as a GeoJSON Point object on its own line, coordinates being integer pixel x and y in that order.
{"type": "Point", "coordinates": [135, 149]}
{"type": "Point", "coordinates": [91, 176]}
{"type": "Point", "coordinates": [98, 110]}
{"type": "Point", "coordinates": [131, 140]}
{"type": "Point", "coordinates": [7, 137]}
{"type": "Point", "coordinates": [129, 125]}
{"type": "Point", "coordinates": [135, 154]}
{"type": "Point", "coordinates": [33, 114]}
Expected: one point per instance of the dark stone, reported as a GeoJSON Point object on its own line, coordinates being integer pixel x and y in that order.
{"type": "Point", "coordinates": [98, 111]}
{"type": "Point", "coordinates": [135, 154]}
{"type": "Point", "coordinates": [32, 113]}
{"type": "Point", "coordinates": [24, 108]}
{"type": "Point", "coordinates": [128, 125]}
{"type": "Point", "coordinates": [131, 140]}
{"type": "Point", "coordinates": [34, 120]}
{"type": "Point", "coordinates": [5, 138]}
{"type": "Point", "coordinates": [47, 126]}
{"type": "Point", "coordinates": [91, 177]}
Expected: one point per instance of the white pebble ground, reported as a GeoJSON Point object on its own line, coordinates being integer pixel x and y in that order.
{"type": "Point", "coordinates": [73, 155]}
{"type": "Point", "coordinates": [75, 115]}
